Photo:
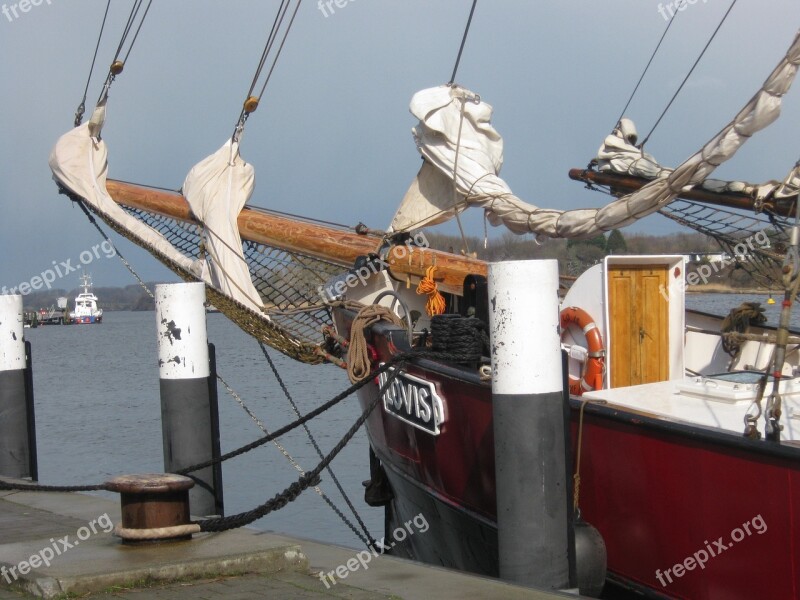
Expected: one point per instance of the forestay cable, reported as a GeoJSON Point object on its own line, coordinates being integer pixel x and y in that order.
{"type": "Point", "coordinates": [689, 74]}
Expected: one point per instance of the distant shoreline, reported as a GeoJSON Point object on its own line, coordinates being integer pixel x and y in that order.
{"type": "Point", "coordinates": [716, 288]}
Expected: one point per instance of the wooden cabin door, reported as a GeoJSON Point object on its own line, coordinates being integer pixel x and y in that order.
{"type": "Point", "coordinates": [639, 324]}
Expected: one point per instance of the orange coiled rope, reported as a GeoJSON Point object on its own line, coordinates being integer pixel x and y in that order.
{"type": "Point", "coordinates": [436, 304]}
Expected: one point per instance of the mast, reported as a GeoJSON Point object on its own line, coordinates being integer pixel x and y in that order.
{"type": "Point", "coordinates": [86, 282]}
{"type": "Point", "coordinates": [628, 183]}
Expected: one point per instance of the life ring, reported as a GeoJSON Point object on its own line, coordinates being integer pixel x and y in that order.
{"type": "Point", "coordinates": [592, 378]}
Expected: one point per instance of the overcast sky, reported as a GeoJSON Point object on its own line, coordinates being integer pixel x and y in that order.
{"type": "Point", "coordinates": [332, 138]}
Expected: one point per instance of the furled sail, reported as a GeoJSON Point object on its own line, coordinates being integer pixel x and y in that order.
{"type": "Point", "coordinates": [619, 154]}
{"type": "Point", "coordinates": [79, 162]}
{"type": "Point", "coordinates": [217, 188]}
{"type": "Point", "coordinates": [456, 138]}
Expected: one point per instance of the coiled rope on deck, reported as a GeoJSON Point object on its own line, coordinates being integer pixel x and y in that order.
{"type": "Point", "coordinates": [359, 363]}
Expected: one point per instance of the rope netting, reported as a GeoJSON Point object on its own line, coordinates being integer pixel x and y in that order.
{"type": "Point", "coordinates": [287, 282]}
{"type": "Point", "coordinates": [755, 242]}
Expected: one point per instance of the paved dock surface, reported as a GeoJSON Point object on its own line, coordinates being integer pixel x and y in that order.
{"type": "Point", "coordinates": [240, 564]}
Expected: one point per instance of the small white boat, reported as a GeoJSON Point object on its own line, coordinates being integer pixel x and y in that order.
{"type": "Point", "coordinates": [86, 311]}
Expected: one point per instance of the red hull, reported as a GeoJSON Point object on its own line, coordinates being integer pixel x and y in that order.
{"type": "Point", "coordinates": [658, 491]}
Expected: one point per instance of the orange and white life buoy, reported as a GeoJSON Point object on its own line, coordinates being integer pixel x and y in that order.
{"type": "Point", "coordinates": [592, 378]}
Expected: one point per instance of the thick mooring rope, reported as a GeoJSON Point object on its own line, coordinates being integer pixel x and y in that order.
{"type": "Point", "coordinates": [359, 363]}
{"type": "Point", "coordinates": [309, 478]}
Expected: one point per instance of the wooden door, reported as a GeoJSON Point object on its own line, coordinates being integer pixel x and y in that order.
{"type": "Point", "coordinates": [639, 327]}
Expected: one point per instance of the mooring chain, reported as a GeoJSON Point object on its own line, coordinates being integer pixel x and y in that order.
{"type": "Point", "coordinates": [32, 487]}
{"type": "Point", "coordinates": [369, 539]}
{"type": "Point", "coordinates": [260, 424]}
{"type": "Point", "coordinates": [310, 477]}
{"type": "Point", "coordinates": [295, 489]}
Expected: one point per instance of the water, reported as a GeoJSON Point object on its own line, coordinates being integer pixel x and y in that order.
{"type": "Point", "coordinates": [721, 304]}
{"type": "Point", "coordinates": [98, 415]}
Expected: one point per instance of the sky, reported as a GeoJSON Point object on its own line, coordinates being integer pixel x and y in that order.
{"type": "Point", "coordinates": [332, 138]}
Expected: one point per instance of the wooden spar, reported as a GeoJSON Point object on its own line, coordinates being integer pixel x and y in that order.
{"type": "Point", "coordinates": [628, 183]}
{"type": "Point", "coordinates": [406, 262]}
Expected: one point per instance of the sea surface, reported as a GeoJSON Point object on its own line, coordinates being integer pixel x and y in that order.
{"type": "Point", "coordinates": [98, 415]}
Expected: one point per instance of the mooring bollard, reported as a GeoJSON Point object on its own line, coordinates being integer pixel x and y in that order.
{"type": "Point", "coordinates": [529, 424]}
{"type": "Point", "coordinates": [189, 421]}
{"type": "Point", "coordinates": [154, 507]}
{"type": "Point", "coordinates": [17, 421]}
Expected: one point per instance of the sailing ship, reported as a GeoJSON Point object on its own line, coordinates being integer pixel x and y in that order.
{"type": "Point", "coordinates": [688, 424]}
{"type": "Point", "coordinates": [86, 311]}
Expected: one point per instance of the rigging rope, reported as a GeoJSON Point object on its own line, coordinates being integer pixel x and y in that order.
{"type": "Point", "coordinates": [311, 476]}
{"type": "Point", "coordinates": [436, 304]}
{"type": "Point", "coordinates": [280, 48]}
{"type": "Point", "coordinates": [359, 363]}
{"type": "Point", "coordinates": [455, 171]}
{"type": "Point", "coordinates": [369, 538]}
{"type": "Point", "coordinates": [5, 486]}
{"type": "Point", "coordinates": [649, 62]}
{"type": "Point", "coordinates": [117, 65]}
{"type": "Point", "coordinates": [260, 424]}
{"type": "Point", "coordinates": [689, 74]}
{"type": "Point", "coordinates": [304, 482]}
{"type": "Point", "coordinates": [463, 42]}
{"type": "Point", "coordinates": [251, 103]}
{"type": "Point", "coordinates": [82, 106]}
{"type": "Point", "coordinates": [106, 238]}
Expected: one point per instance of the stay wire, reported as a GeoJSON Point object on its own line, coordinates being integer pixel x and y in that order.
{"type": "Point", "coordinates": [138, 29]}
{"type": "Point", "coordinates": [119, 254]}
{"type": "Point", "coordinates": [137, 4]}
{"type": "Point", "coordinates": [387, 366]}
{"type": "Point", "coordinates": [649, 62]}
{"type": "Point", "coordinates": [132, 17]}
{"type": "Point", "coordinates": [82, 106]}
{"type": "Point", "coordinates": [463, 42]}
{"type": "Point", "coordinates": [689, 74]}
{"type": "Point", "coordinates": [279, 379]}
{"type": "Point", "coordinates": [280, 48]}
{"type": "Point", "coordinates": [268, 45]}
{"type": "Point", "coordinates": [293, 462]}
{"type": "Point", "coordinates": [283, 9]}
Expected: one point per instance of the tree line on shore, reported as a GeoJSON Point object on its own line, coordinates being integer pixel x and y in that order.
{"type": "Point", "coordinates": [573, 256]}
{"type": "Point", "coordinates": [130, 297]}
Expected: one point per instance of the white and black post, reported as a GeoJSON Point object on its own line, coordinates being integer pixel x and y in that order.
{"type": "Point", "coordinates": [189, 412]}
{"type": "Point", "coordinates": [529, 424]}
{"type": "Point", "coordinates": [17, 423]}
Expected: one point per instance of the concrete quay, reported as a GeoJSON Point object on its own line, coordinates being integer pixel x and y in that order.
{"type": "Point", "coordinates": [241, 564]}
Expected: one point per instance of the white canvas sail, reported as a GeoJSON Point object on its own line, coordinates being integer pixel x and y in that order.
{"type": "Point", "coordinates": [217, 188]}
{"type": "Point", "coordinates": [79, 162]}
{"type": "Point", "coordinates": [455, 136]}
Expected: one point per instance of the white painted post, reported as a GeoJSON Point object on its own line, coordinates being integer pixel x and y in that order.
{"type": "Point", "coordinates": [17, 431]}
{"type": "Point", "coordinates": [190, 425]}
{"type": "Point", "coordinates": [529, 424]}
